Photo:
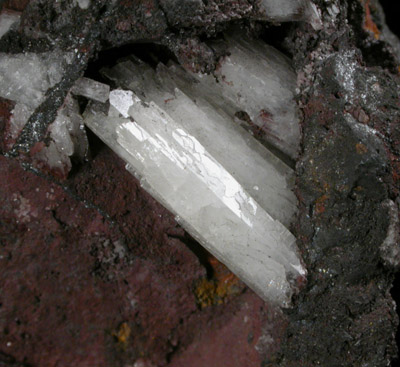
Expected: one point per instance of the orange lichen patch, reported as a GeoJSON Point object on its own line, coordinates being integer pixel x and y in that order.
{"type": "Point", "coordinates": [369, 24]}
{"type": "Point", "coordinates": [122, 334]}
{"type": "Point", "coordinates": [361, 148]}
{"type": "Point", "coordinates": [206, 293]}
{"type": "Point", "coordinates": [213, 292]}
{"type": "Point", "coordinates": [218, 289]}
{"type": "Point", "coordinates": [320, 204]}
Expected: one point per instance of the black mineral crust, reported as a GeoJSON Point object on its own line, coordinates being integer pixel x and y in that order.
{"type": "Point", "coordinates": [347, 186]}
{"type": "Point", "coordinates": [348, 170]}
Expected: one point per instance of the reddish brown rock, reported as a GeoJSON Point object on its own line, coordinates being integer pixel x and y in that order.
{"type": "Point", "coordinates": [18, 5]}
{"type": "Point", "coordinates": [6, 107]}
{"type": "Point", "coordinates": [112, 284]}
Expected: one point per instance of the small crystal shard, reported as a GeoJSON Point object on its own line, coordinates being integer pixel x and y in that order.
{"type": "Point", "coordinates": [83, 4]}
{"type": "Point", "coordinates": [91, 89]}
{"type": "Point", "coordinates": [230, 192]}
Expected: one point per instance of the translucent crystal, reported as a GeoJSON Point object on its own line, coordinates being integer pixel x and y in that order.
{"type": "Point", "coordinates": [25, 78]}
{"type": "Point", "coordinates": [256, 79]}
{"type": "Point", "coordinates": [91, 89]}
{"type": "Point", "coordinates": [20, 116]}
{"type": "Point", "coordinates": [233, 150]}
{"type": "Point", "coordinates": [230, 192]}
{"type": "Point", "coordinates": [67, 138]}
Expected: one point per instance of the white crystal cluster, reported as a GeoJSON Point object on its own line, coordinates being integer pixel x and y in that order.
{"type": "Point", "coordinates": [254, 78]}
{"type": "Point", "coordinates": [178, 136]}
{"type": "Point", "coordinates": [25, 79]}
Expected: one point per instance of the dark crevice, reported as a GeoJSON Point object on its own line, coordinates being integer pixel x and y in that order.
{"type": "Point", "coordinates": [391, 9]}
{"type": "Point", "coordinates": [276, 36]}
{"type": "Point", "coordinates": [151, 53]}
{"type": "Point", "coordinates": [95, 143]}
{"type": "Point", "coordinates": [57, 219]}
{"type": "Point", "coordinates": [375, 52]}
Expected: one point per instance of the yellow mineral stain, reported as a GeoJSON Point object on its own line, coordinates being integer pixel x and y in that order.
{"type": "Point", "coordinates": [122, 334]}
{"type": "Point", "coordinates": [217, 290]}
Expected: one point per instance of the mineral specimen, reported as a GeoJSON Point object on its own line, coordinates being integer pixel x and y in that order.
{"type": "Point", "coordinates": [226, 189]}
{"type": "Point", "coordinates": [347, 224]}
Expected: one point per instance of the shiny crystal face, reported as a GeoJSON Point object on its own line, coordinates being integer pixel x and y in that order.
{"type": "Point", "coordinates": [178, 134]}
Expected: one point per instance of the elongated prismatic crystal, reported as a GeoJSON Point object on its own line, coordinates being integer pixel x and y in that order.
{"type": "Point", "coordinates": [178, 134]}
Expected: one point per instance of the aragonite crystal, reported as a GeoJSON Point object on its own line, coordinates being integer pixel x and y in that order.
{"type": "Point", "coordinates": [225, 188]}
{"type": "Point", "coordinates": [253, 78]}
{"type": "Point", "coordinates": [91, 89]}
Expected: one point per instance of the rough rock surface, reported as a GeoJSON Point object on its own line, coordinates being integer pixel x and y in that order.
{"type": "Point", "coordinates": [94, 272]}
{"type": "Point", "coordinates": [85, 289]}
{"type": "Point", "coordinates": [347, 187]}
